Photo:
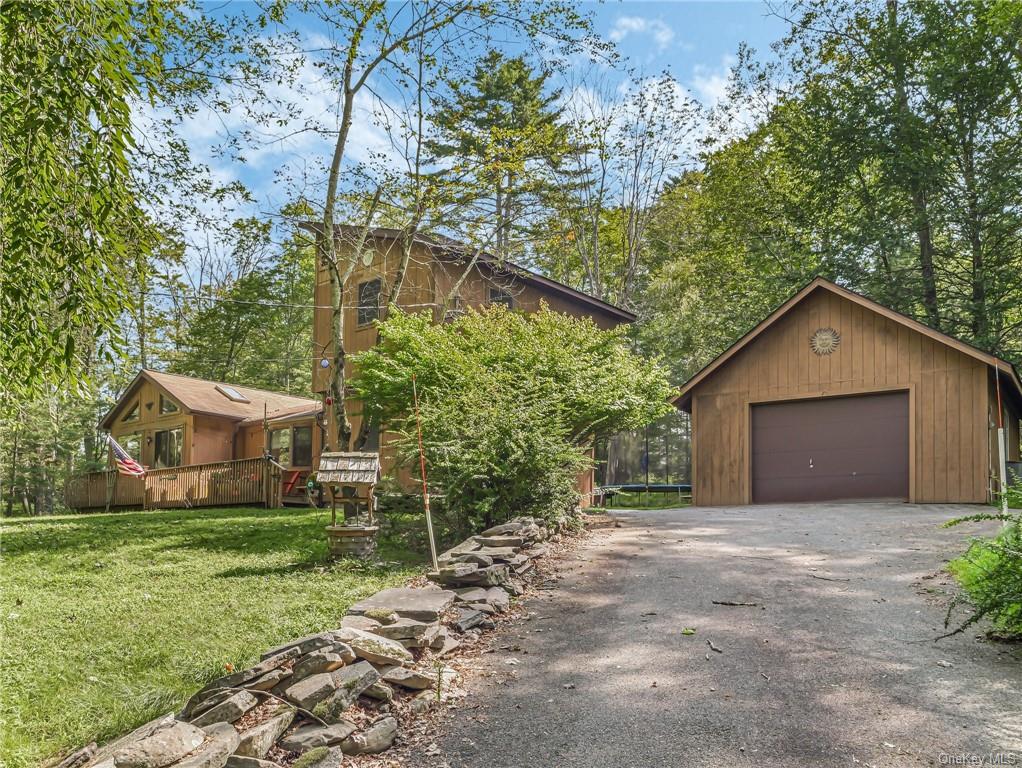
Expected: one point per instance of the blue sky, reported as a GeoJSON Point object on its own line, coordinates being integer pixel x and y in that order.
{"type": "Point", "coordinates": [695, 41]}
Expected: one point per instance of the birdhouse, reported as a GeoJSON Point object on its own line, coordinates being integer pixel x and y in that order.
{"type": "Point", "coordinates": [350, 478]}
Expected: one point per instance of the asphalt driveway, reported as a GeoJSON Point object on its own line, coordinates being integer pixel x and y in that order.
{"type": "Point", "coordinates": [834, 664]}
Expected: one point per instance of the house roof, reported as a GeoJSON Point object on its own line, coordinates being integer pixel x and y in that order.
{"type": "Point", "coordinates": [684, 398]}
{"type": "Point", "coordinates": [203, 396]}
{"type": "Point", "coordinates": [288, 414]}
{"type": "Point", "coordinates": [461, 251]}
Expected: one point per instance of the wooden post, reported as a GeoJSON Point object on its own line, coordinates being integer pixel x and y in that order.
{"type": "Point", "coordinates": [111, 489]}
{"type": "Point", "coordinates": [1002, 466]}
{"type": "Point", "coordinates": [425, 487]}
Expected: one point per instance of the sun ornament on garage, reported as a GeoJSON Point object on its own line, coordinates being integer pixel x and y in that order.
{"type": "Point", "coordinates": [824, 341]}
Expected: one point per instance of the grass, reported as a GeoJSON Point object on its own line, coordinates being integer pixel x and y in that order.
{"type": "Point", "coordinates": [643, 500]}
{"type": "Point", "coordinates": [990, 573]}
{"type": "Point", "coordinates": [109, 620]}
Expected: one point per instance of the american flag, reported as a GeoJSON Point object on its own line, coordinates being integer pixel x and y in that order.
{"type": "Point", "coordinates": [125, 464]}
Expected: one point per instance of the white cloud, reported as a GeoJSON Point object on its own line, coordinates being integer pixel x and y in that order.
{"type": "Point", "coordinates": [624, 26]}
{"type": "Point", "coordinates": [709, 84]}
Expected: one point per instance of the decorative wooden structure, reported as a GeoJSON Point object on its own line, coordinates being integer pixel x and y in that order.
{"type": "Point", "coordinates": [835, 396]}
{"type": "Point", "coordinates": [351, 479]}
{"type": "Point", "coordinates": [217, 484]}
{"type": "Point", "coordinates": [433, 282]}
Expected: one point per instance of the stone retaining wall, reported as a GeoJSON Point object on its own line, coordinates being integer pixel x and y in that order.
{"type": "Point", "coordinates": [312, 700]}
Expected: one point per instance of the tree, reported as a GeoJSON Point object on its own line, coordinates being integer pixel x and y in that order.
{"type": "Point", "coordinates": [901, 120]}
{"type": "Point", "coordinates": [501, 130]}
{"type": "Point", "coordinates": [623, 148]}
{"type": "Point", "coordinates": [886, 156]}
{"type": "Point", "coordinates": [730, 244]}
{"type": "Point", "coordinates": [256, 329]}
{"type": "Point", "coordinates": [369, 38]}
{"type": "Point", "coordinates": [70, 217]}
{"type": "Point", "coordinates": [91, 96]}
{"type": "Point", "coordinates": [510, 403]}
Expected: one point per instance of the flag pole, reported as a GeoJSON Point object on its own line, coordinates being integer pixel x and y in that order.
{"type": "Point", "coordinates": [422, 471]}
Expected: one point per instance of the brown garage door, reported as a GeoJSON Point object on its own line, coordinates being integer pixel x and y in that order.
{"type": "Point", "coordinates": [833, 448]}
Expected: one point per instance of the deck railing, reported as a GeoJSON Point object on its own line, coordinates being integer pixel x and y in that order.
{"type": "Point", "coordinates": [222, 483]}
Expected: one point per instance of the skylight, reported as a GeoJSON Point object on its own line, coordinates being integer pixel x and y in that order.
{"type": "Point", "coordinates": [231, 393]}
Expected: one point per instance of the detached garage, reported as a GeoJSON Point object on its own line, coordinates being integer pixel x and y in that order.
{"type": "Point", "coordinates": [834, 396]}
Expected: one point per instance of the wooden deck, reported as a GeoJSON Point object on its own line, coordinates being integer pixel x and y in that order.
{"type": "Point", "coordinates": [219, 484]}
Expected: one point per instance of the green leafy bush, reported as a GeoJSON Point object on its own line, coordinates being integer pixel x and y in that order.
{"type": "Point", "coordinates": [990, 572]}
{"type": "Point", "coordinates": [510, 403]}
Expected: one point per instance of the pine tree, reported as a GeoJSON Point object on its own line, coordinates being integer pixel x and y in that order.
{"type": "Point", "coordinates": [500, 129]}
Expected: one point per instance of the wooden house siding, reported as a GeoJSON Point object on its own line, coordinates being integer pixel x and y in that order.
{"type": "Point", "coordinates": [150, 421]}
{"type": "Point", "coordinates": [948, 391]}
{"type": "Point", "coordinates": [206, 436]}
{"type": "Point", "coordinates": [251, 440]}
{"type": "Point", "coordinates": [428, 285]}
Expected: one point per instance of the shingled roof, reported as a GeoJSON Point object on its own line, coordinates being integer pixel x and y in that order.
{"type": "Point", "coordinates": [443, 246]}
{"type": "Point", "coordinates": [209, 398]}
{"type": "Point", "coordinates": [349, 468]}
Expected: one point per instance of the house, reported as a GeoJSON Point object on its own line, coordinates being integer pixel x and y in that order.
{"type": "Point", "coordinates": [443, 277]}
{"type": "Point", "coordinates": [834, 396]}
{"type": "Point", "coordinates": [168, 420]}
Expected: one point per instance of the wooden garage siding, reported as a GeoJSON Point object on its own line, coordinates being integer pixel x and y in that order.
{"type": "Point", "coordinates": [948, 395]}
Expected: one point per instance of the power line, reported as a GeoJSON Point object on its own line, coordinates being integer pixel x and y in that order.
{"type": "Point", "coordinates": [278, 305]}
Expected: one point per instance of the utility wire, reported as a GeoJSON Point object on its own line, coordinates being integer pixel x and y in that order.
{"type": "Point", "coordinates": [277, 305]}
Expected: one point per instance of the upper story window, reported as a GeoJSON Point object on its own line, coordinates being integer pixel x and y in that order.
{"type": "Point", "coordinates": [132, 413]}
{"type": "Point", "coordinates": [167, 406]}
{"type": "Point", "coordinates": [454, 309]}
{"type": "Point", "coordinates": [369, 301]}
{"type": "Point", "coordinates": [501, 296]}
{"type": "Point", "coordinates": [231, 393]}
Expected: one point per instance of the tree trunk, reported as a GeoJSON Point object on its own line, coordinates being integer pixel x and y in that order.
{"type": "Point", "coordinates": [143, 357]}
{"type": "Point", "coordinates": [917, 192]}
{"type": "Point", "coordinates": [499, 220]}
{"type": "Point", "coordinates": [339, 437]}
{"type": "Point", "coordinates": [14, 469]}
{"type": "Point", "coordinates": [979, 321]}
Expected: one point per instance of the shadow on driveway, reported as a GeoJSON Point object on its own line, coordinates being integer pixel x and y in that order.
{"type": "Point", "coordinates": [834, 665]}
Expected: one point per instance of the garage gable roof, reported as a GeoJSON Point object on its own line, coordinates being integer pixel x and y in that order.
{"type": "Point", "coordinates": [684, 398]}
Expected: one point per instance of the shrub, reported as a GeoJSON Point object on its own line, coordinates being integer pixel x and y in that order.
{"type": "Point", "coordinates": [990, 572]}
{"type": "Point", "coordinates": [510, 404]}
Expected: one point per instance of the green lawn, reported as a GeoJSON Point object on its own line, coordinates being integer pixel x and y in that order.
{"type": "Point", "coordinates": [109, 620]}
{"type": "Point", "coordinates": [652, 500]}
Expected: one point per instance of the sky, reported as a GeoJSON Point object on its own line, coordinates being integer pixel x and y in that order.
{"type": "Point", "coordinates": [695, 41]}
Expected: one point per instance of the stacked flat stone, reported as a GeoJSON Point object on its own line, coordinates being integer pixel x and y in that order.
{"type": "Point", "coordinates": [497, 557]}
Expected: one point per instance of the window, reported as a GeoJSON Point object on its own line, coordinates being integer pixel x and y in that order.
{"type": "Point", "coordinates": [301, 447]}
{"type": "Point", "coordinates": [132, 414]}
{"type": "Point", "coordinates": [231, 393]}
{"type": "Point", "coordinates": [280, 446]}
{"type": "Point", "coordinates": [454, 309]}
{"type": "Point", "coordinates": [132, 443]}
{"type": "Point", "coordinates": [168, 448]}
{"type": "Point", "coordinates": [167, 406]}
{"type": "Point", "coordinates": [368, 301]}
{"type": "Point", "coordinates": [501, 296]}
